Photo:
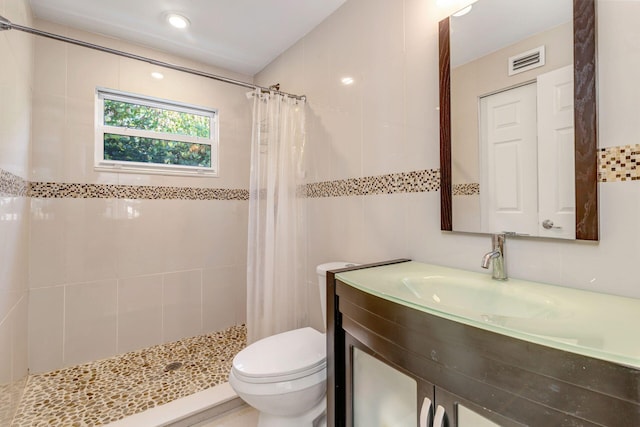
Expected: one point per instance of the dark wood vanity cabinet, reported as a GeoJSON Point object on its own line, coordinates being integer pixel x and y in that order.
{"type": "Point", "coordinates": [503, 380]}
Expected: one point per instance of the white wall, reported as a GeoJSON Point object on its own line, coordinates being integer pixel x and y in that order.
{"type": "Point", "coordinates": [387, 121]}
{"type": "Point", "coordinates": [111, 275]}
{"type": "Point", "coordinates": [16, 51]}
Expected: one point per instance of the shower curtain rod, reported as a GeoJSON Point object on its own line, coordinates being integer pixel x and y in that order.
{"type": "Point", "coordinates": [5, 24]}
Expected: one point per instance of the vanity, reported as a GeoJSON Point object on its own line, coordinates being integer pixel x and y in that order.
{"type": "Point", "coordinates": [417, 344]}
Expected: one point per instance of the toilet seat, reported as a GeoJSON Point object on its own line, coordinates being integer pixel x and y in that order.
{"type": "Point", "coordinates": [283, 357]}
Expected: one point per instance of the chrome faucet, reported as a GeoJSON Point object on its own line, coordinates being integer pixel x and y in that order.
{"type": "Point", "coordinates": [497, 255]}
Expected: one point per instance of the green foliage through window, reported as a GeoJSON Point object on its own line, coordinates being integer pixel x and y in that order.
{"type": "Point", "coordinates": [158, 151]}
{"type": "Point", "coordinates": [141, 130]}
{"type": "Point", "coordinates": [135, 116]}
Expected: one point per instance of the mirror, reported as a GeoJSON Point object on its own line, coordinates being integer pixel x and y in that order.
{"type": "Point", "coordinates": [518, 148]}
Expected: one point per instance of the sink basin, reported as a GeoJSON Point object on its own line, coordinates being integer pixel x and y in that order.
{"type": "Point", "coordinates": [570, 319]}
{"type": "Point", "coordinates": [489, 300]}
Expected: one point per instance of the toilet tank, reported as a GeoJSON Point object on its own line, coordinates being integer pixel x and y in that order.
{"type": "Point", "coordinates": [321, 270]}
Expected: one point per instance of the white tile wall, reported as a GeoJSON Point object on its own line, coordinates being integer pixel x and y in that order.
{"type": "Point", "coordinates": [13, 252]}
{"type": "Point", "coordinates": [52, 79]}
{"type": "Point", "coordinates": [223, 297]}
{"type": "Point", "coordinates": [5, 352]}
{"type": "Point", "coordinates": [125, 274]}
{"type": "Point", "coordinates": [227, 240]}
{"type": "Point", "coordinates": [16, 84]}
{"type": "Point", "coordinates": [48, 133]}
{"type": "Point", "coordinates": [140, 236]}
{"type": "Point", "coordinates": [75, 323]}
{"type": "Point", "coordinates": [90, 321]}
{"type": "Point", "coordinates": [87, 69]}
{"type": "Point", "coordinates": [609, 266]}
{"type": "Point", "coordinates": [385, 226]}
{"type": "Point", "coordinates": [19, 361]}
{"type": "Point", "coordinates": [109, 275]}
{"type": "Point", "coordinates": [47, 243]}
{"type": "Point", "coordinates": [185, 243]}
{"type": "Point", "coordinates": [140, 247]}
{"type": "Point", "coordinates": [182, 310]}
{"type": "Point", "coordinates": [90, 227]}
{"type": "Point", "coordinates": [387, 121]}
{"type": "Point", "coordinates": [15, 117]}
{"type": "Point", "coordinates": [618, 68]}
{"type": "Point", "coordinates": [13, 345]}
{"type": "Point", "coordinates": [46, 329]}
{"type": "Point", "coordinates": [139, 312]}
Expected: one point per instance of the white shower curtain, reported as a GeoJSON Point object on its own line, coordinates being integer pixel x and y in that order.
{"type": "Point", "coordinates": [276, 258]}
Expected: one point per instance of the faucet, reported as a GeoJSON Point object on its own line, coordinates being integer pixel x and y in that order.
{"type": "Point", "coordinates": [497, 255]}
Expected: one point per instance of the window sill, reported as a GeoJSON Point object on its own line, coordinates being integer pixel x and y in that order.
{"type": "Point", "coordinates": [157, 170]}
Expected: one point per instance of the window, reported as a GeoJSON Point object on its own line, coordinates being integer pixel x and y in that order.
{"type": "Point", "coordinates": [141, 134]}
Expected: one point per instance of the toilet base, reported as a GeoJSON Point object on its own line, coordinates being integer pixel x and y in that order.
{"type": "Point", "coordinates": [315, 417]}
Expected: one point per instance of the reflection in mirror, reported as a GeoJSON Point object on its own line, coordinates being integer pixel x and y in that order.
{"type": "Point", "coordinates": [498, 67]}
{"type": "Point", "coordinates": [510, 122]}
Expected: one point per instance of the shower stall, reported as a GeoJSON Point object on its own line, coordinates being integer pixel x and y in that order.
{"type": "Point", "coordinates": [105, 269]}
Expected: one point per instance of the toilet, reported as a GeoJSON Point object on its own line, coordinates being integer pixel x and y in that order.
{"type": "Point", "coordinates": [284, 376]}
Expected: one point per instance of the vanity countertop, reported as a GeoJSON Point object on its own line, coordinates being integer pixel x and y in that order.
{"type": "Point", "coordinates": [589, 323]}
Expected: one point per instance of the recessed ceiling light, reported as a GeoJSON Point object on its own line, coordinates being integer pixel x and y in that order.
{"type": "Point", "coordinates": [157, 75]}
{"type": "Point", "coordinates": [178, 21]}
{"type": "Point", "coordinates": [347, 81]}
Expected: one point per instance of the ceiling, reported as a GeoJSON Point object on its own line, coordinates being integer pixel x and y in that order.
{"type": "Point", "coordinates": [494, 24]}
{"type": "Point", "coordinates": [238, 35]}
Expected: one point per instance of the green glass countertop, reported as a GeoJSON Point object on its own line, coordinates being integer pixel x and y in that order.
{"type": "Point", "coordinates": [588, 323]}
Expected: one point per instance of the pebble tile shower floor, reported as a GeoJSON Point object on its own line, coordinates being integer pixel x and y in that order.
{"type": "Point", "coordinates": [104, 391]}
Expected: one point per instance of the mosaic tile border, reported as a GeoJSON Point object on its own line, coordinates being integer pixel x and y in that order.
{"type": "Point", "coordinates": [403, 182]}
{"type": "Point", "coordinates": [12, 185]}
{"type": "Point", "coordinates": [108, 390]}
{"type": "Point", "coordinates": [619, 163]}
{"type": "Point", "coordinates": [615, 164]}
{"type": "Point", "coordinates": [470, 189]}
{"type": "Point", "coordinates": [47, 190]}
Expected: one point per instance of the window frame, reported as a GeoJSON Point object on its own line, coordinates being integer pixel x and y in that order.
{"type": "Point", "coordinates": [102, 164]}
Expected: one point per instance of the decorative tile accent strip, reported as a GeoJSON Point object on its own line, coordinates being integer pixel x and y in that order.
{"type": "Point", "coordinates": [619, 163]}
{"type": "Point", "coordinates": [470, 189]}
{"type": "Point", "coordinates": [12, 185]}
{"type": "Point", "coordinates": [615, 164]}
{"type": "Point", "coordinates": [403, 182]}
{"type": "Point", "coordinates": [105, 191]}
{"type": "Point", "coordinates": [107, 390]}
{"type": "Point", "coordinates": [344, 187]}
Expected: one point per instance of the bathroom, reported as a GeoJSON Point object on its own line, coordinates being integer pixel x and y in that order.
{"type": "Point", "coordinates": [64, 257]}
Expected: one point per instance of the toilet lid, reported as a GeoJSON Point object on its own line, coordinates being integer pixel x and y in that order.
{"type": "Point", "coordinates": [291, 354]}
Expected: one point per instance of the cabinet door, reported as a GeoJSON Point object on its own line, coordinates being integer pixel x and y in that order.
{"type": "Point", "coordinates": [381, 394]}
{"type": "Point", "coordinates": [452, 410]}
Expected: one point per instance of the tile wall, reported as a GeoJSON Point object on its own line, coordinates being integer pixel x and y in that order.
{"type": "Point", "coordinates": [120, 261]}
{"type": "Point", "coordinates": [386, 122]}
{"type": "Point", "coordinates": [111, 274]}
{"type": "Point", "coordinates": [16, 51]}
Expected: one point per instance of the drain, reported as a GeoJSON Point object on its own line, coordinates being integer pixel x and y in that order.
{"type": "Point", "coordinates": [173, 366]}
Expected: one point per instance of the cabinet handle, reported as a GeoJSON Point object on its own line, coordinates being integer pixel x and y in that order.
{"type": "Point", "coordinates": [425, 413]}
{"type": "Point", "coordinates": [438, 420]}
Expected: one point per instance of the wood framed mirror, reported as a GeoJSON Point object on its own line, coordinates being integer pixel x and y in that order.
{"type": "Point", "coordinates": [585, 151]}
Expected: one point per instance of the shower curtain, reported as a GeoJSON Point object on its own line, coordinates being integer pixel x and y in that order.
{"type": "Point", "coordinates": [276, 258]}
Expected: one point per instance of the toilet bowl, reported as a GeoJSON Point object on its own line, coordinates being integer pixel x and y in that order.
{"type": "Point", "coordinates": [284, 376]}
